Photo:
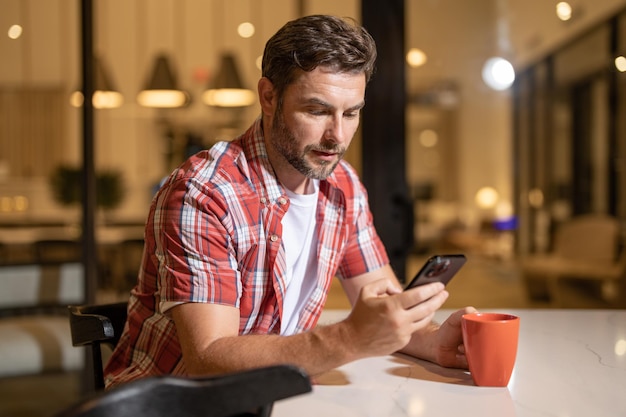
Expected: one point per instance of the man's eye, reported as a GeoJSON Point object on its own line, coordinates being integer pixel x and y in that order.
{"type": "Point", "coordinates": [351, 115]}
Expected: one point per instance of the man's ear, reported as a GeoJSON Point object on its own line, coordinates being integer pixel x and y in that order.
{"type": "Point", "coordinates": [267, 96]}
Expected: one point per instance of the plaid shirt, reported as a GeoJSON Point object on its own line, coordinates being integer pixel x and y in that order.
{"type": "Point", "coordinates": [214, 236]}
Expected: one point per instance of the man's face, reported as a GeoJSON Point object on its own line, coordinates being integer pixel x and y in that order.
{"type": "Point", "coordinates": [312, 129]}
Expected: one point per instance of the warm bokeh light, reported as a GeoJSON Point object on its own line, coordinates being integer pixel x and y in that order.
{"type": "Point", "coordinates": [20, 203]}
{"type": "Point", "coordinates": [498, 73]}
{"type": "Point", "coordinates": [6, 204]}
{"type": "Point", "coordinates": [428, 138]}
{"type": "Point", "coordinates": [229, 97]}
{"type": "Point", "coordinates": [416, 57]}
{"type": "Point", "coordinates": [620, 63]}
{"type": "Point", "coordinates": [620, 347]}
{"type": "Point", "coordinates": [486, 198]}
{"type": "Point", "coordinates": [101, 99]}
{"type": "Point", "coordinates": [259, 62]}
{"type": "Point", "coordinates": [245, 30]}
{"type": "Point", "coordinates": [15, 31]}
{"type": "Point", "coordinates": [564, 10]}
{"type": "Point", "coordinates": [14, 203]}
{"type": "Point", "coordinates": [163, 99]}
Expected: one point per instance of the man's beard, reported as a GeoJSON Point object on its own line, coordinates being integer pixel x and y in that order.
{"type": "Point", "coordinates": [285, 143]}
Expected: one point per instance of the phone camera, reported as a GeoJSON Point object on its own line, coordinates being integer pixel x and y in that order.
{"type": "Point", "coordinates": [438, 268]}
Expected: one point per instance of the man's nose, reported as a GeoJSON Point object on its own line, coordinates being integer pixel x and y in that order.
{"type": "Point", "coordinates": [335, 130]}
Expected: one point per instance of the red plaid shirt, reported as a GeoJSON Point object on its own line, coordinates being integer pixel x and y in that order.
{"type": "Point", "coordinates": [214, 236]}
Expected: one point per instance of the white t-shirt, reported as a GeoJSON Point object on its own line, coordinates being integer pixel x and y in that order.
{"type": "Point", "coordinates": [300, 243]}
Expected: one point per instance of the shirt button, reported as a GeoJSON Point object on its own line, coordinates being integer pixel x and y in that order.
{"type": "Point", "coordinates": [274, 238]}
{"type": "Point", "coordinates": [282, 200]}
{"type": "Point", "coordinates": [263, 200]}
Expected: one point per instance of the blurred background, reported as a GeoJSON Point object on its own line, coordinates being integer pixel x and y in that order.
{"type": "Point", "coordinates": [494, 128]}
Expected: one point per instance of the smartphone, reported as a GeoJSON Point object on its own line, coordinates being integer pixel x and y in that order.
{"type": "Point", "coordinates": [438, 268]}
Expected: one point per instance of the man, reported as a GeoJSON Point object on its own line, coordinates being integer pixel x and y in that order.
{"type": "Point", "coordinates": [243, 240]}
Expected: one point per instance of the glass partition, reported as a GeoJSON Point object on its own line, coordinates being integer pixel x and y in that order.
{"type": "Point", "coordinates": [570, 134]}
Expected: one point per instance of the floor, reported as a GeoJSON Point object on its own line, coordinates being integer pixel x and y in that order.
{"type": "Point", "coordinates": [483, 283]}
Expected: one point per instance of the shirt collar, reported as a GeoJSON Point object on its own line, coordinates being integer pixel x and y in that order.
{"type": "Point", "coordinates": [253, 144]}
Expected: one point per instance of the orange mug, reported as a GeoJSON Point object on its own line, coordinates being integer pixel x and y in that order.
{"type": "Point", "coordinates": [490, 341]}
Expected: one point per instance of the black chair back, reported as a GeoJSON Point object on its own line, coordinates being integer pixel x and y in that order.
{"type": "Point", "coordinates": [247, 393]}
{"type": "Point", "coordinates": [94, 325]}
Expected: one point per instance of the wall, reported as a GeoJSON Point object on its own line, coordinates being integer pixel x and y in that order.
{"type": "Point", "coordinates": [457, 35]}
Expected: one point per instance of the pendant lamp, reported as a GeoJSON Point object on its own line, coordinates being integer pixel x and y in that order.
{"type": "Point", "coordinates": [226, 89]}
{"type": "Point", "coordinates": [162, 88]}
{"type": "Point", "coordinates": [105, 95]}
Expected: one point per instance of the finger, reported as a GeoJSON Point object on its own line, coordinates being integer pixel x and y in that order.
{"type": "Point", "coordinates": [461, 361]}
{"type": "Point", "coordinates": [460, 356]}
{"type": "Point", "coordinates": [425, 311]}
{"type": "Point", "coordinates": [455, 318]}
{"type": "Point", "coordinates": [379, 287]}
{"type": "Point", "coordinates": [418, 295]}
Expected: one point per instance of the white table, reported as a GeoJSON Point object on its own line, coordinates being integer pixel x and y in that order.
{"type": "Point", "coordinates": [570, 363]}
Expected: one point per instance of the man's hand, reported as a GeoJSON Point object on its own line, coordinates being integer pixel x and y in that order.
{"type": "Point", "coordinates": [384, 318]}
{"type": "Point", "coordinates": [441, 344]}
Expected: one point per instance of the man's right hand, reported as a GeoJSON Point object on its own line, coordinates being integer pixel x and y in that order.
{"type": "Point", "coordinates": [384, 317]}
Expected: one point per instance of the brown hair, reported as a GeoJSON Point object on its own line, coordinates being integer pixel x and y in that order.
{"type": "Point", "coordinates": [317, 40]}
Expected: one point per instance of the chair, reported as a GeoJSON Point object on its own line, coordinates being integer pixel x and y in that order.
{"type": "Point", "coordinates": [95, 325]}
{"type": "Point", "coordinates": [585, 248]}
{"type": "Point", "coordinates": [247, 393]}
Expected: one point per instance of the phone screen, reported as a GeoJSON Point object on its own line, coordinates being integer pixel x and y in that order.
{"type": "Point", "coordinates": [438, 268]}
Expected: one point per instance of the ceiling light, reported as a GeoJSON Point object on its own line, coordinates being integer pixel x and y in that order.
{"type": "Point", "coordinates": [15, 31]}
{"type": "Point", "coordinates": [105, 96]}
{"type": "Point", "coordinates": [245, 30]}
{"type": "Point", "coordinates": [564, 11]}
{"type": "Point", "coordinates": [227, 90]}
{"type": "Point", "coordinates": [162, 88]}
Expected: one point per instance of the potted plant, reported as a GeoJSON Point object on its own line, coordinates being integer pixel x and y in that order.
{"type": "Point", "coordinates": [67, 188]}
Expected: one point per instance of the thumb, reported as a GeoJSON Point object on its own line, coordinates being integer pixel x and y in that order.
{"type": "Point", "coordinates": [456, 316]}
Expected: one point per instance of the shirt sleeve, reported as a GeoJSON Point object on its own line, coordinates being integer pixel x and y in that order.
{"type": "Point", "coordinates": [196, 259]}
